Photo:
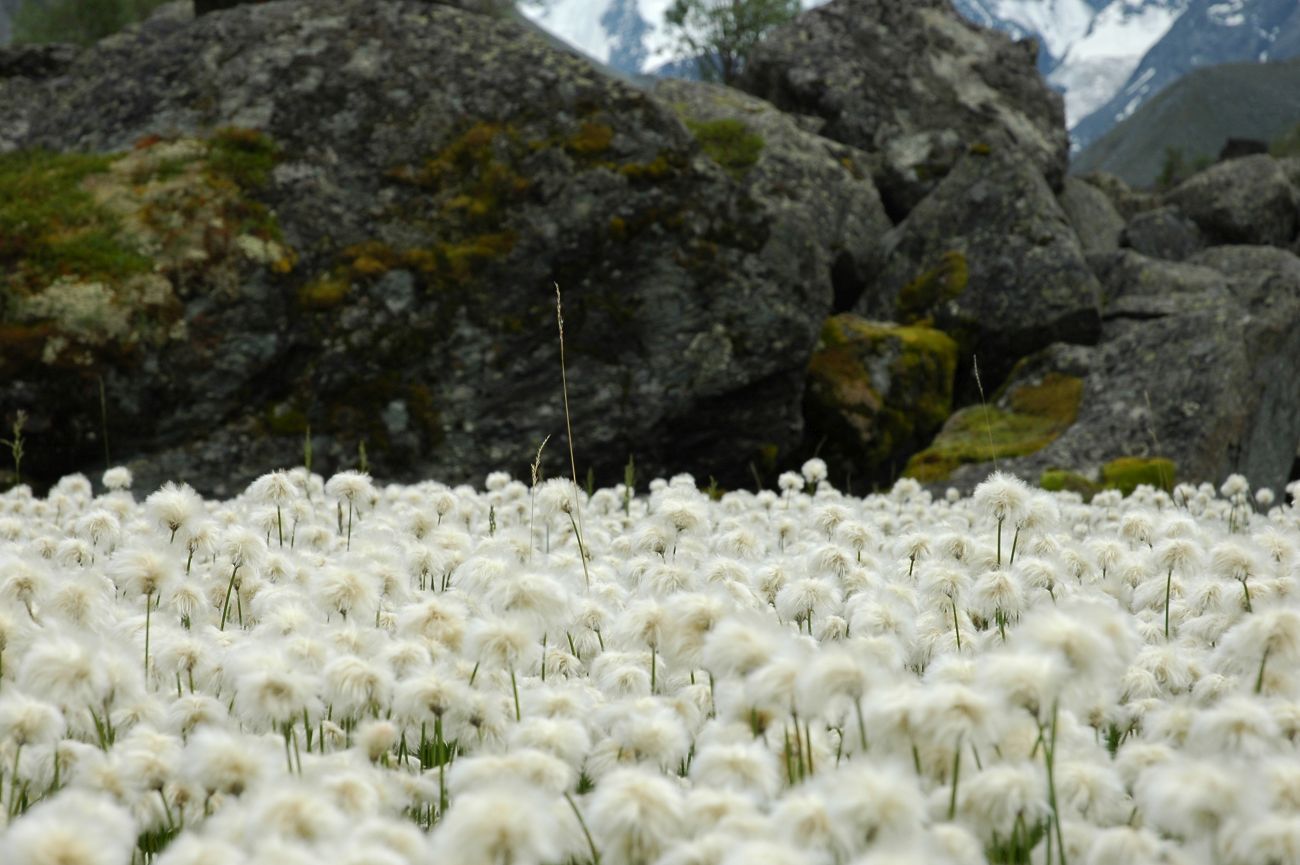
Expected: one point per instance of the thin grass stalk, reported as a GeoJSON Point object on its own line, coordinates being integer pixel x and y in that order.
{"type": "Point", "coordinates": [568, 427]}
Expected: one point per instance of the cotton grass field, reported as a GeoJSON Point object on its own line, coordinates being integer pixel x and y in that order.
{"type": "Point", "coordinates": [336, 672]}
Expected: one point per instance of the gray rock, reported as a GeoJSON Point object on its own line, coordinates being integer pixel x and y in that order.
{"type": "Point", "coordinates": [1094, 218]}
{"type": "Point", "coordinates": [909, 80]}
{"type": "Point", "coordinates": [990, 257]}
{"type": "Point", "coordinates": [1261, 278]}
{"type": "Point", "coordinates": [1127, 201]}
{"type": "Point", "coordinates": [36, 61]}
{"type": "Point", "coordinates": [1135, 287]}
{"type": "Point", "coordinates": [1247, 200]}
{"type": "Point", "coordinates": [1163, 233]}
{"type": "Point", "coordinates": [436, 174]}
{"type": "Point", "coordinates": [830, 219]}
{"type": "Point", "coordinates": [1210, 380]}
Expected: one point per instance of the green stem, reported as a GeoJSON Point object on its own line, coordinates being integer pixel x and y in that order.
{"type": "Point", "coordinates": [148, 610]}
{"type": "Point", "coordinates": [1169, 586]}
{"type": "Point", "coordinates": [1259, 677]}
{"type": "Point", "coordinates": [862, 725]}
{"type": "Point", "coordinates": [956, 774]}
{"type": "Point", "coordinates": [225, 606]}
{"type": "Point", "coordinates": [591, 844]}
{"type": "Point", "coordinates": [515, 687]}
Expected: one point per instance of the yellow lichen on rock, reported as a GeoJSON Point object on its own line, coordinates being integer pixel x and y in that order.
{"type": "Point", "coordinates": [1029, 418]}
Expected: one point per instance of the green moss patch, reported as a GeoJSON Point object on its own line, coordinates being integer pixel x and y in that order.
{"type": "Point", "coordinates": [246, 156]}
{"type": "Point", "coordinates": [51, 227]}
{"type": "Point", "coordinates": [591, 139]}
{"type": "Point", "coordinates": [1029, 418]}
{"type": "Point", "coordinates": [1128, 473]}
{"type": "Point", "coordinates": [94, 245]}
{"type": "Point", "coordinates": [1060, 480]}
{"type": "Point", "coordinates": [728, 142]}
{"type": "Point", "coordinates": [944, 282]}
{"type": "Point", "coordinates": [1124, 474]}
{"type": "Point", "coordinates": [877, 391]}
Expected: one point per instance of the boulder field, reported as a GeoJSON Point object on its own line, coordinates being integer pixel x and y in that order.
{"type": "Point", "coordinates": [333, 229]}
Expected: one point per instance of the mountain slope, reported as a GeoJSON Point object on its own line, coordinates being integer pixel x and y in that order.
{"type": "Point", "coordinates": [1197, 114]}
{"type": "Point", "coordinates": [1087, 47]}
{"type": "Point", "coordinates": [1209, 33]}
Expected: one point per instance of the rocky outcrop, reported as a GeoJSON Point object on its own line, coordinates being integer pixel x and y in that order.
{"type": "Point", "coordinates": [1200, 366]}
{"type": "Point", "coordinates": [830, 221]}
{"type": "Point", "coordinates": [877, 393]}
{"type": "Point", "coordinates": [1093, 217]}
{"type": "Point", "coordinates": [1163, 233]}
{"type": "Point", "coordinates": [911, 82]}
{"type": "Point", "coordinates": [35, 61]}
{"type": "Point", "coordinates": [350, 217]}
{"type": "Point", "coordinates": [1127, 201]}
{"type": "Point", "coordinates": [990, 259]}
{"type": "Point", "coordinates": [1247, 200]}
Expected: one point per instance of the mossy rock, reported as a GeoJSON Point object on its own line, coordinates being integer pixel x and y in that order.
{"type": "Point", "coordinates": [1128, 473]}
{"type": "Point", "coordinates": [1060, 480]}
{"type": "Point", "coordinates": [1027, 419]}
{"type": "Point", "coordinates": [728, 142]}
{"type": "Point", "coordinates": [876, 392]}
{"type": "Point", "coordinates": [944, 282]}
{"type": "Point", "coordinates": [1125, 474]}
{"type": "Point", "coordinates": [96, 245]}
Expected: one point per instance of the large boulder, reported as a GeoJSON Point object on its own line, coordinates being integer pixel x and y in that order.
{"type": "Point", "coordinates": [877, 392]}
{"type": "Point", "coordinates": [35, 61]}
{"type": "Point", "coordinates": [825, 212]}
{"type": "Point", "coordinates": [1247, 200]}
{"type": "Point", "coordinates": [1163, 233]}
{"type": "Point", "coordinates": [1128, 201]}
{"type": "Point", "coordinates": [911, 81]}
{"type": "Point", "coordinates": [1198, 377]}
{"type": "Point", "coordinates": [1092, 215]}
{"type": "Point", "coordinates": [350, 217]}
{"type": "Point", "coordinates": [990, 258]}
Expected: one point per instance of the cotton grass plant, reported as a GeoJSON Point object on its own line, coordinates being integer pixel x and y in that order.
{"type": "Point", "coordinates": [329, 670]}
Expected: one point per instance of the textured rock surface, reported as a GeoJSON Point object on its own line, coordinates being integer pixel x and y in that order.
{"type": "Point", "coordinates": [1163, 233]}
{"type": "Point", "coordinates": [1129, 202]}
{"type": "Point", "coordinates": [35, 61]}
{"type": "Point", "coordinates": [432, 174]}
{"type": "Point", "coordinates": [989, 257]}
{"type": "Point", "coordinates": [1210, 381]}
{"type": "Point", "coordinates": [1094, 218]}
{"type": "Point", "coordinates": [876, 394]}
{"type": "Point", "coordinates": [830, 221]}
{"type": "Point", "coordinates": [912, 82]}
{"type": "Point", "coordinates": [1246, 200]}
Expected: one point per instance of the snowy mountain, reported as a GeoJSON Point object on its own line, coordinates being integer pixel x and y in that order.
{"type": "Point", "coordinates": [1088, 48]}
{"type": "Point", "coordinates": [1208, 33]}
{"type": "Point", "coordinates": [625, 34]}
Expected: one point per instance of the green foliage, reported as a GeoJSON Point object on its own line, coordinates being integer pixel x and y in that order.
{"type": "Point", "coordinates": [728, 142]}
{"type": "Point", "coordinates": [1176, 168]}
{"type": "Point", "coordinates": [81, 21]}
{"type": "Point", "coordinates": [1286, 144]}
{"type": "Point", "coordinates": [720, 34]}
